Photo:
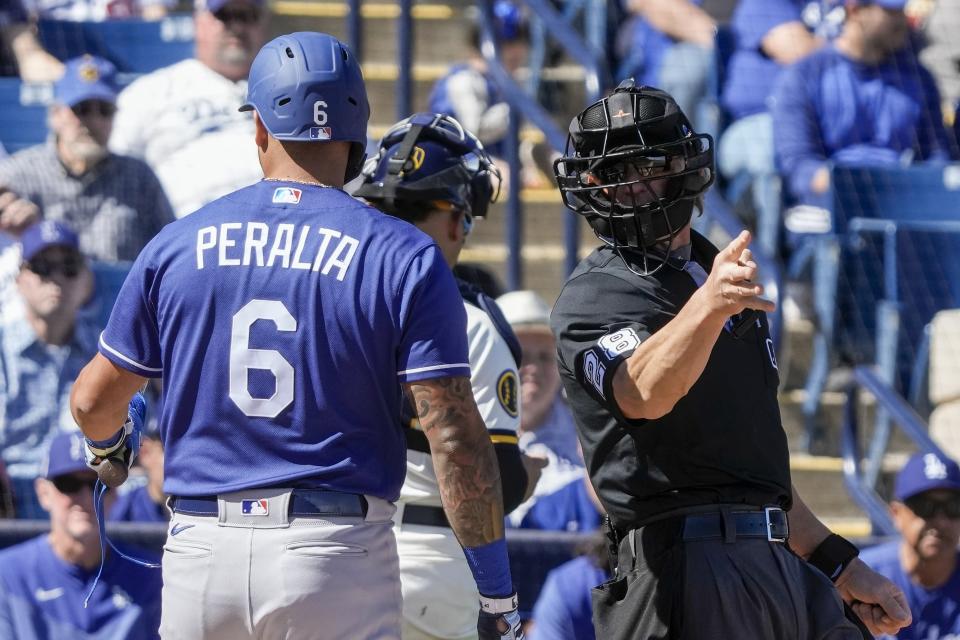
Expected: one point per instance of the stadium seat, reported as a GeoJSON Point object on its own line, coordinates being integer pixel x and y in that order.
{"type": "Point", "coordinates": [24, 108]}
{"type": "Point", "coordinates": [886, 264]}
{"type": "Point", "coordinates": [134, 46]}
{"type": "Point", "coordinates": [108, 278]}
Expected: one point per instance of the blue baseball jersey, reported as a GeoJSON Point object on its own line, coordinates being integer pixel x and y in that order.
{"type": "Point", "coordinates": [563, 610]}
{"type": "Point", "coordinates": [41, 596]}
{"type": "Point", "coordinates": [644, 55]}
{"type": "Point", "coordinates": [569, 508]}
{"type": "Point", "coordinates": [751, 73]}
{"type": "Point", "coordinates": [936, 612]}
{"type": "Point", "coordinates": [284, 319]}
{"type": "Point", "coordinates": [828, 107]}
{"type": "Point", "coordinates": [136, 505]}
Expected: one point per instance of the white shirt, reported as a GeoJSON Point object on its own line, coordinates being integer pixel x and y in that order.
{"type": "Point", "coordinates": [491, 363]}
{"type": "Point", "coordinates": [183, 121]}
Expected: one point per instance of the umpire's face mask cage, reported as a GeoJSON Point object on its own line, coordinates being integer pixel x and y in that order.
{"type": "Point", "coordinates": [635, 169]}
{"type": "Point", "coordinates": [428, 159]}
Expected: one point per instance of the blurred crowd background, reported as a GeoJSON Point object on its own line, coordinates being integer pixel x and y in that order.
{"type": "Point", "coordinates": [836, 133]}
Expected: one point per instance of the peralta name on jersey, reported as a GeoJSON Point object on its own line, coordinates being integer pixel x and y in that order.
{"type": "Point", "coordinates": [242, 244]}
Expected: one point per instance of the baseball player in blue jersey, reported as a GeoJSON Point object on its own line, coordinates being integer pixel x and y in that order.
{"type": "Point", "coordinates": [287, 320]}
{"type": "Point", "coordinates": [436, 175]}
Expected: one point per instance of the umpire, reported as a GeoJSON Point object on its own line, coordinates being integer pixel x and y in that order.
{"type": "Point", "coordinates": [665, 354]}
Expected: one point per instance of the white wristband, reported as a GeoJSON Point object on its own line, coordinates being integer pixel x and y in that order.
{"type": "Point", "coordinates": [497, 606]}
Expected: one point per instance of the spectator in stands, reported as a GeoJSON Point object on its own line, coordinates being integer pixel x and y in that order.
{"type": "Point", "coordinates": [44, 342]}
{"type": "Point", "coordinates": [546, 423]}
{"type": "Point", "coordinates": [865, 99]}
{"type": "Point", "coordinates": [115, 203]}
{"type": "Point", "coordinates": [923, 562]}
{"type": "Point", "coordinates": [563, 609]}
{"type": "Point", "coordinates": [467, 92]}
{"type": "Point", "coordinates": [18, 36]}
{"type": "Point", "coordinates": [768, 35]}
{"type": "Point", "coordinates": [942, 53]}
{"type": "Point", "coordinates": [43, 581]}
{"type": "Point", "coordinates": [144, 502]}
{"type": "Point", "coordinates": [184, 119]}
{"type": "Point", "coordinates": [16, 213]}
{"type": "Point", "coordinates": [572, 507]}
{"type": "Point", "coordinates": [100, 10]}
{"type": "Point", "coordinates": [670, 45]}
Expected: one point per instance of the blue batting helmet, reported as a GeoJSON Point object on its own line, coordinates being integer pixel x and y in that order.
{"type": "Point", "coordinates": [308, 86]}
{"type": "Point", "coordinates": [508, 21]}
{"type": "Point", "coordinates": [426, 159]}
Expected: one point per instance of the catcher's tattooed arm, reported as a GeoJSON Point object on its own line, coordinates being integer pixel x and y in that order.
{"type": "Point", "coordinates": [463, 458]}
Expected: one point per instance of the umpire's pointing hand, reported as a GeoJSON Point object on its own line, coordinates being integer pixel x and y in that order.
{"type": "Point", "coordinates": [877, 601]}
{"type": "Point", "coordinates": [730, 288]}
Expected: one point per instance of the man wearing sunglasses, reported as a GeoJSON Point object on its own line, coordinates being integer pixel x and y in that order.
{"type": "Point", "coordinates": [44, 342]}
{"type": "Point", "coordinates": [183, 120]}
{"type": "Point", "coordinates": [923, 562]}
{"type": "Point", "coordinates": [436, 175]}
{"type": "Point", "coordinates": [43, 581]}
{"type": "Point", "coordinates": [115, 203]}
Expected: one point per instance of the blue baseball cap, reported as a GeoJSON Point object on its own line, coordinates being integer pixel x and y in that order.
{"type": "Point", "coordinates": [65, 456]}
{"type": "Point", "coordinates": [86, 78]}
{"type": "Point", "coordinates": [926, 472]}
{"type": "Point", "coordinates": [44, 235]}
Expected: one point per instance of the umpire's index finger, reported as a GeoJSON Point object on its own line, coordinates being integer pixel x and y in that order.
{"type": "Point", "coordinates": [736, 247]}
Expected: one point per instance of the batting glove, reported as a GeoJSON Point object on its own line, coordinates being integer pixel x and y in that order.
{"type": "Point", "coordinates": [499, 619]}
{"type": "Point", "coordinates": [112, 461]}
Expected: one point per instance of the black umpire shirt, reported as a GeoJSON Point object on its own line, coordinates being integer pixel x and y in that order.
{"type": "Point", "coordinates": [722, 443]}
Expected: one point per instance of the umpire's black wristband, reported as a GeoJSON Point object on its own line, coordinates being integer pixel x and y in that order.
{"type": "Point", "coordinates": [833, 555]}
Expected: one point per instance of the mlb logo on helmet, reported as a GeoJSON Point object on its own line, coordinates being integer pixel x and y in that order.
{"type": "Point", "coordinates": [286, 195]}
{"type": "Point", "coordinates": [259, 507]}
{"type": "Point", "coordinates": [320, 133]}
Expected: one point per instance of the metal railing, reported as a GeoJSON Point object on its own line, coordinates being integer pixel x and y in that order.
{"type": "Point", "coordinates": [860, 486]}
{"type": "Point", "coordinates": [523, 106]}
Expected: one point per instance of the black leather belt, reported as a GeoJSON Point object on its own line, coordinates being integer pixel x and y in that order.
{"type": "Point", "coordinates": [428, 516]}
{"type": "Point", "coordinates": [303, 502]}
{"type": "Point", "coordinates": [771, 524]}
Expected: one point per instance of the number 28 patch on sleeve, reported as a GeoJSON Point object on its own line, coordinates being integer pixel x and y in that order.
{"type": "Point", "coordinates": [508, 391]}
{"type": "Point", "coordinates": [596, 361]}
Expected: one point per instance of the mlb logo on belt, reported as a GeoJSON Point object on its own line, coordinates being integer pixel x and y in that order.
{"type": "Point", "coordinates": [320, 133]}
{"type": "Point", "coordinates": [259, 507]}
{"type": "Point", "coordinates": [286, 195]}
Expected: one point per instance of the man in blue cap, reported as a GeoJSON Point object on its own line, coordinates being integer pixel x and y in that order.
{"type": "Point", "coordinates": [44, 581]}
{"type": "Point", "coordinates": [44, 342]}
{"type": "Point", "coordinates": [115, 203]}
{"type": "Point", "coordinates": [923, 562]}
{"type": "Point", "coordinates": [865, 100]}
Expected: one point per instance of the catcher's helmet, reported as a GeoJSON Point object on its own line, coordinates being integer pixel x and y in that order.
{"type": "Point", "coordinates": [426, 159]}
{"type": "Point", "coordinates": [635, 168]}
{"type": "Point", "coordinates": [308, 86]}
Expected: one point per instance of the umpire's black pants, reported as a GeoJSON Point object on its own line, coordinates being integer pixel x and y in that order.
{"type": "Point", "coordinates": [746, 589]}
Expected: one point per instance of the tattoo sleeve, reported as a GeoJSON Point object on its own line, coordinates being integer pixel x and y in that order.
{"type": "Point", "coordinates": [463, 458]}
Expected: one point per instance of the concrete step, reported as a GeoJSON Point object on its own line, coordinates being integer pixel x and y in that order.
{"type": "Point", "coordinates": [819, 481]}
{"type": "Point", "coordinates": [440, 39]}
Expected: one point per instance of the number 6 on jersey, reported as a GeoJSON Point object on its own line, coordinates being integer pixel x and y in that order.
{"type": "Point", "coordinates": [243, 358]}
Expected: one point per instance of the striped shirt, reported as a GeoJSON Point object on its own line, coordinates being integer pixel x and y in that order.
{"type": "Point", "coordinates": [116, 207]}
